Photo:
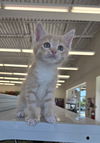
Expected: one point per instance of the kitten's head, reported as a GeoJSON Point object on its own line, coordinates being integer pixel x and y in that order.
{"type": "Point", "coordinates": [52, 49]}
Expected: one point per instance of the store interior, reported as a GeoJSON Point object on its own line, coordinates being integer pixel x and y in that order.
{"type": "Point", "coordinates": [81, 69]}
{"type": "Point", "coordinates": [78, 82]}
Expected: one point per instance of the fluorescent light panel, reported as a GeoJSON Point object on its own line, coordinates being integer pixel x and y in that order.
{"type": "Point", "coordinates": [81, 53]}
{"type": "Point", "coordinates": [4, 81]}
{"type": "Point", "coordinates": [92, 10]}
{"type": "Point", "coordinates": [75, 9]}
{"type": "Point", "coordinates": [19, 82]}
{"type": "Point", "coordinates": [7, 84]}
{"type": "Point", "coordinates": [58, 84]}
{"type": "Point", "coordinates": [9, 73]}
{"type": "Point", "coordinates": [64, 76]}
{"type": "Point", "coordinates": [14, 65]}
{"type": "Point", "coordinates": [31, 51]}
{"type": "Point", "coordinates": [19, 73]}
{"type": "Point", "coordinates": [60, 81]}
{"type": "Point", "coordinates": [6, 73]}
{"type": "Point", "coordinates": [7, 81]}
{"type": "Point", "coordinates": [27, 50]}
{"type": "Point", "coordinates": [67, 68]}
{"type": "Point", "coordinates": [16, 50]}
{"type": "Point", "coordinates": [12, 78]}
{"type": "Point", "coordinates": [9, 50]}
{"type": "Point", "coordinates": [36, 8]}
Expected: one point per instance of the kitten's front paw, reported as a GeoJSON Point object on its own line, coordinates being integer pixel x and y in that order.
{"type": "Point", "coordinates": [20, 114]}
{"type": "Point", "coordinates": [32, 122]}
{"type": "Point", "coordinates": [51, 119]}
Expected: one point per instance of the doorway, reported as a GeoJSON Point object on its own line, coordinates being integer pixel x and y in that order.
{"type": "Point", "coordinates": [98, 98]}
{"type": "Point", "coordinates": [76, 99]}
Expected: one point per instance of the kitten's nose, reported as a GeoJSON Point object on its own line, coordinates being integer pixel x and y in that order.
{"type": "Point", "coordinates": [53, 52]}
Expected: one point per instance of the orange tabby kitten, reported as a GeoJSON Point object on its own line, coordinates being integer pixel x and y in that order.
{"type": "Point", "coordinates": [37, 91]}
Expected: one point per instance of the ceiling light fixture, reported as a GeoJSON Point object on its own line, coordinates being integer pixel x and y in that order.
{"type": "Point", "coordinates": [9, 73]}
{"type": "Point", "coordinates": [67, 68]}
{"type": "Point", "coordinates": [89, 53]}
{"type": "Point", "coordinates": [19, 73]}
{"type": "Point", "coordinates": [14, 65]}
{"type": "Point", "coordinates": [12, 78]}
{"type": "Point", "coordinates": [8, 81]}
{"type": "Point", "coordinates": [36, 8]}
{"type": "Point", "coordinates": [16, 50]}
{"type": "Point", "coordinates": [1, 65]}
{"type": "Point", "coordinates": [58, 84]}
{"type": "Point", "coordinates": [9, 50]}
{"type": "Point", "coordinates": [60, 81]}
{"type": "Point", "coordinates": [91, 10]}
{"type": "Point", "coordinates": [64, 76]}
{"type": "Point", "coordinates": [27, 50]}
{"type": "Point", "coordinates": [84, 53]}
{"type": "Point", "coordinates": [19, 82]}
{"type": "Point", "coordinates": [4, 81]}
{"type": "Point", "coordinates": [7, 84]}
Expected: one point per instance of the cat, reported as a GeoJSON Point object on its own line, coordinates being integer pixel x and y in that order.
{"type": "Point", "coordinates": [37, 92]}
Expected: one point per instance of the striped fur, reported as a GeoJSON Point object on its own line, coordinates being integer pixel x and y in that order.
{"type": "Point", "coordinates": [37, 93]}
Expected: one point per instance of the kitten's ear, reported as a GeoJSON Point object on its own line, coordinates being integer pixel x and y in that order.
{"type": "Point", "coordinates": [39, 32]}
{"type": "Point", "coordinates": [68, 37]}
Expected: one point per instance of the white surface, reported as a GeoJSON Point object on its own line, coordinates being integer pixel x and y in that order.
{"type": "Point", "coordinates": [50, 132]}
{"type": "Point", "coordinates": [67, 130]}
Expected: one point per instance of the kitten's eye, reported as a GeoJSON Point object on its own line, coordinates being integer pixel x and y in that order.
{"type": "Point", "coordinates": [46, 45]}
{"type": "Point", "coordinates": [60, 47]}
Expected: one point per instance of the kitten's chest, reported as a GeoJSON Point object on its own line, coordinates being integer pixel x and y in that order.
{"type": "Point", "coordinates": [45, 75]}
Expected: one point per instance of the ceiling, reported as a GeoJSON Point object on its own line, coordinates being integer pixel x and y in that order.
{"type": "Point", "coordinates": [16, 29]}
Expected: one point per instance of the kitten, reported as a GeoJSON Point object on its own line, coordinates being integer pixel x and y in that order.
{"type": "Point", "coordinates": [37, 91]}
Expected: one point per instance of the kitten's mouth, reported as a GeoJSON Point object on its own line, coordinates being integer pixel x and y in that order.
{"type": "Point", "coordinates": [51, 56]}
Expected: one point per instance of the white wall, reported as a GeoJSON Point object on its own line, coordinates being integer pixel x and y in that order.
{"type": "Point", "coordinates": [98, 98]}
{"type": "Point", "coordinates": [60, 93]}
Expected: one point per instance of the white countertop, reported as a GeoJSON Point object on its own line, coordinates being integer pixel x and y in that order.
{"type": "Point", "coordinates": [67, 128]}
